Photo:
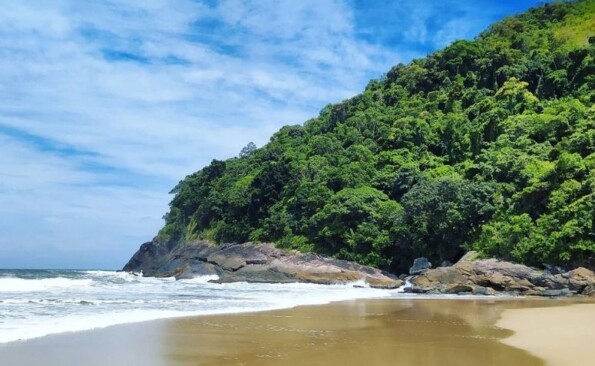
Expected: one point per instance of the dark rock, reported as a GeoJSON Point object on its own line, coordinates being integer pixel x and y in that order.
{"type": "Point", "coordinates": [446, 263]}
{"type": "Point", "coordinates": [231, 263]}
{"type": "Point", "coordinates": [554, 270]}
{"type": "Point", "coordinates": [589, 290]}
{"type": "Point", "coordinates": [550, 281]}
{"type": "Point", "coordinates": [458, 288]}
{"type": "Point", "coordinates": [265, 263]}
{"type": "Point", "coordinates": [485, 291]}
{"type": "Point", "coordinates": [415, 290]}
{"type": "Point", "coordinates": [378, 282]}
{"type": "Point", "coordinates": [556, 293]}
{"type": "Point", "coordinates": [251, 263]}
{"type": "Point", "coordinates": [144, 260]}
{"type": "Point", "coordinates": [234, 257]}
{"type": "Point", "coordinates": [579, 278]}
{"type": "Point", "coordinates": [420, 265]}
{"type": "Point", "coordinates": [488, 276]}
{"type": "Point", "coordinates": [196, 268]}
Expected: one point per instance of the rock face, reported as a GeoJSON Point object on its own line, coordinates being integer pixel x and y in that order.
{"type": "Point", "coordinates": [489, 276]}
{"type": "Point", "coordinates": [265, 263]}
{"type": "Point", "coordinates": [420, 265]}
{"type": "Point", "coordinates": [251, 263]}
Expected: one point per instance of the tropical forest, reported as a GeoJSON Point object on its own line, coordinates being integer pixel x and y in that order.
{"type": "Point", "coordinates": [486, 145]}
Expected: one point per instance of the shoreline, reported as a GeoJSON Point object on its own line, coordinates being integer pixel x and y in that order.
{"type": "Point", "coordinates": [240, 312]}
{"type": "Point", "coordinates": [337, 333]}
{"type": "Point", "coordinates": [192, 297]}
{"type": "Point", "coordinates": [381, 295]}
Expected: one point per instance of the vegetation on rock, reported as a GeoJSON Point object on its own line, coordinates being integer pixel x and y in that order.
{"type": "Point", "coordinates": [486, 145]}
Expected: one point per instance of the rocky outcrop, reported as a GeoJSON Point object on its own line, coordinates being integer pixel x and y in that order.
{"type": "Point", "coordinates": [265, 263]}
{"type": "Point", "coordinates": [251, 263]}
{"type": "Point", "coordinates": [471, 275]}
{"type": "Point", "coordinates": [420, 265]}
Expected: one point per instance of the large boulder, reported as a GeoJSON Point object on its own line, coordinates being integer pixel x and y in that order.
{"type": "Point", "coordinates": [589, 290]}
{"type": "Point", "coordinates": [420, 265]}
{"type": "Point", "coordinates": [235, 257]}
{"type": "Point", "coordinates": [488, 276]}
{"type": "Point", "coordinates": [252, 263]}
{"type": "Point", "coordinates": [580, 278]}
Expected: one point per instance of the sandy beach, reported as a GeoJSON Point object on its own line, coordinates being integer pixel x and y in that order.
{"type": "Point", "coordinates": [370, 332]}
{"type": "Point", "coordinates": [561, 335]}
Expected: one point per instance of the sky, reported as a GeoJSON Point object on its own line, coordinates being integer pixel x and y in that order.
{"type": "Point", "coordinates": [105, 105]}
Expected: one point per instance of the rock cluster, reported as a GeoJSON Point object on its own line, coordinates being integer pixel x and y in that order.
{"type": "Point", "coordinates": [251, 263]}
{"type": "Point", "coordinates": [490, 276]}
{"type": "Point", "coordinates": [264, 263]}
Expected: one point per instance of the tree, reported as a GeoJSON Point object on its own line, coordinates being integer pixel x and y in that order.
{"type": "Point", "coordinates": [443, 215]}
{"type": "Point", "coordinates": [356, 224]}
{"type": "Point", "coordinates": [248, 150]}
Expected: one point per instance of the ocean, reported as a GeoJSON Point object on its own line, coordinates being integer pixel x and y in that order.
{"type": "Point", "coordinates": [37, 303]}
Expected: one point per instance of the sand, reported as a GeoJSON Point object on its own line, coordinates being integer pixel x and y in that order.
{"type": "Point", "coordinates": [364, 332]}
{"type": "Point", "coordinates": [560, 335]}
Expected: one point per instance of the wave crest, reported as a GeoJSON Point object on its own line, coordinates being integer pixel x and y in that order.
{"type": "Point", "coordinates": [13, 284]}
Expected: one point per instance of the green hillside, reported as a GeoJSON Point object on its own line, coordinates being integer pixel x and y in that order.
{"type": "Point", "coordinates": [487, 145]}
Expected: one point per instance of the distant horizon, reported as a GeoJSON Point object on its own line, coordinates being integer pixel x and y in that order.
{"type": "Point", "coordinates": [110, 105]}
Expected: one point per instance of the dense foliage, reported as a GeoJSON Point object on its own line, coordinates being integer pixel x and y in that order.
{"type": "Point", "coordinates": [488, 144]}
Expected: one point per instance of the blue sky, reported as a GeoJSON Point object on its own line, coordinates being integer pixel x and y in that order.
{"type": "Point", "coordinates": [106, 105]}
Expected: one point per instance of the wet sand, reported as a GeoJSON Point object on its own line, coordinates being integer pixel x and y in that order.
{"type": "Point", "coordinates": [560, 335]}
{"type": "Point", "coordinates": [364, 332]}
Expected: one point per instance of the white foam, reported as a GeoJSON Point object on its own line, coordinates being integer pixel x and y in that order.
{"type": "Point", "coordinates": [33, 328]}
{"type": "Point", "coordinates": [31, 308]}
{"type": "Point", "coordinates": [12, 284]}
{"type": "Point", "coordinates": [360, 283]}
{"type": "Point", "coordinates": [200, 279]}
{"type": "Point", "coordinates": [126, 276]}
{"type": "Point", "coordinates": [407, 284]}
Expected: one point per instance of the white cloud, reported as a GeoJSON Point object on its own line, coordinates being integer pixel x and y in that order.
{"type": "Point", "coordinates": [147, 124]}
{"type": "Point", "coordinates": [107, 104]}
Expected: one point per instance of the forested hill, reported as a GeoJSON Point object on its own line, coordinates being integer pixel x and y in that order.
{"type": "Point", "coordinates": [487, 145]}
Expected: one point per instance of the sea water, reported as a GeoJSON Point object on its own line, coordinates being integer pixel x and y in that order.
{"type": "Point", "coordinates": [36, 303]}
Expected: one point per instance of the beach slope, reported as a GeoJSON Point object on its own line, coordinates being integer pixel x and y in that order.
{"type": "Point", "coordinates": [562, 335]}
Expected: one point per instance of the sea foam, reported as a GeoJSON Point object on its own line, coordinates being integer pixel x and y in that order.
{"type": "Point", "coordinates": [11, 284]}
{"type": "Point", "coordinates": [39, 303]}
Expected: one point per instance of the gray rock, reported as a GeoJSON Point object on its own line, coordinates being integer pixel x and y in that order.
{"type": "Point", "coordinates": [458, 288]}
{"type": "Point", "coordinates": [415, 290]}
{"type": "Point", "coordinates": [265, 263]}
{"type": "Point", "coordinates": [196, 268]}
{"type": "Point", "coordinates": [227, 262]}
{"type": "Point", "coordinates": [589, 290]}
{"type": "Point", "coordinates": [420, 265]}
{"type": "Point", "coordinates": [489, 276]}
{"type": "Point", "coordinates": [556, 293]}
{"type": "Point", "coordinates": [251, 263]}
{"type": "Point", "coordinates": [554, 270]}
{"type": "Point", "coordinates": [484, 291]}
